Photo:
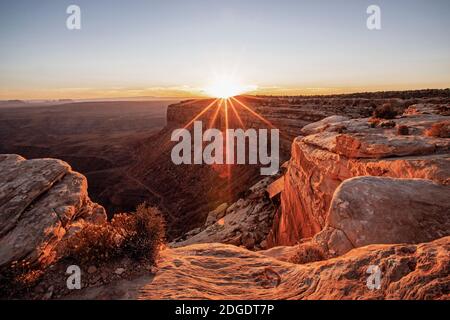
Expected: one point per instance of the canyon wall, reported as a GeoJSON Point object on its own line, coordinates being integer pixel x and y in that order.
{"type": "Point", "coordinates": [188, 192]}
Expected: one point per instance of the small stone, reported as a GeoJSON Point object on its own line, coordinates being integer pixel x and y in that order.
{"type": "Point", "coordinates": [92, 269]}
{"type": "Point", "coordinates": [248, 241]}
{"type": "Point", "coordinates": [49, 293]}
{"type": "Point", "coordinates": [95, 280]}
{"type": "Point", "coordinates": [119, 271]}
{"type": "Point", "coordinates": [153, 270]}
{"type": "Point", "coordinates": [263, 244]}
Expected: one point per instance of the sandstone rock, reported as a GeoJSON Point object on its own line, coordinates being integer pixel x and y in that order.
{"type": "Point", "coordinates": [247, 222]}
{"type": "Point", "coordinates": [428, 108]}
{"type": "Point", "coordinates": [119, 271]}
{"type": "Point", "coordinates": [218, 271]}
{"type": "Point", "coordinates": [375, 210]}
{"type": "Point", "coordinates": [216, 214]}
{"type": "Point", "coordinates": [322, 161]}
{"type": "Point", "coordinates": [248, 240]}
{"type": "Point", "coordinates": [92, 269]}
{"type": "Point", "coordinates": [39, 201]}
{"type": "Point", "coordinates": [333, 241]}
{"type": "Point", "coordinates": [22, 182]}
{"type": "Point", "coordinates": [323, 124]}
{"type": "Point", "coordinates": [371, 145]}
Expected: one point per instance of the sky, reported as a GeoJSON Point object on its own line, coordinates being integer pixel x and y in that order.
{"type": "Point", "coordinates": [174, 48]}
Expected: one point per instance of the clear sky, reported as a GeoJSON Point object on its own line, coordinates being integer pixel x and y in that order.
{"type": "Point", "coordinates": [177, 47]}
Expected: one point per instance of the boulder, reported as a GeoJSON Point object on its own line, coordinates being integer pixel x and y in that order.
{"type": "Point", "coordinates": [216, 214]}
{"type": "Point", "coordinates": [376, 210]}
{"type": "Point", "coordinates": [40, 200]}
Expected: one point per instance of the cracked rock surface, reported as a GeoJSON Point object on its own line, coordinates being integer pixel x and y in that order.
{"type": "Point", "coordinates": [39, 201]}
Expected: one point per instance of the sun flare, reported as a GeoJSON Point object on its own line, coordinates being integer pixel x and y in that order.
{"type": "Point", "coordinates": [226, 87]}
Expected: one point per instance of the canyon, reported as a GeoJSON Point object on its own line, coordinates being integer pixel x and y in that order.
{"type": "Point", "coordinates": [353, 191]}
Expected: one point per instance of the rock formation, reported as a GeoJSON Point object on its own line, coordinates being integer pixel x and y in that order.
{"type": "Point", "coordinates": [189, 192]}
{"type": "Point", "coordinates": [244, 223]}
{"type": "Point", "coordinates": [367, 210]}
{"type": "Point", "coordinates": [336, 149]}
{"type": "Point", "coordinates": [40, 200]}
{"type": "Point", "coordinates": [218, 271]}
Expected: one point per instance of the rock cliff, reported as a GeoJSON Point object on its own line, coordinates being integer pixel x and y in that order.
{"type": "Point", "coordinates": [40, 200]}
{"type": "Point", "coordinates": [246, 222]}
{"type": "Point", "coordinates": [188, 192]}
{"type": "Point", "coordinates": [337, 148]}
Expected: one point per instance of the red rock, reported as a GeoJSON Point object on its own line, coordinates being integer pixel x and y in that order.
{"type": "Point", "coordinates": [322, 161]}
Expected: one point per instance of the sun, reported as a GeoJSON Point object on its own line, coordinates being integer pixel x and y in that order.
{"type": "Point", "coordinates": [226, 87]}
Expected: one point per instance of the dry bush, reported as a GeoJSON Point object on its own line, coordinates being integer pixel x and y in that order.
{"type": "Point", "coordinates": [307, 253]}
{"type": "Point", "coordinates": [402, 130]}
{"type": "Point", "coordinates": [93, 243]}
{"type": "Point", "coordinates": [386, 111]}
{"type": "Point", "coordinates": [439, 130]}
{"type": "Point", "coordinates": [138, 235]}
{"type": "Point", "coordinates": [142, 233]}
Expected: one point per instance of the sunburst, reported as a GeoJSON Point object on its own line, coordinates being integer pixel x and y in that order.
{"type": "Point", "coordinates": [232, 109]}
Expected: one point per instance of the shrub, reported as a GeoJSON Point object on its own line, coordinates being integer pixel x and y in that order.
{"type": "Point", "coordinates": [439, 130]}
{"type": "Point", "coordinates": [93, 243]}
{"type": "Point", "coordinates": [142, 233]}
{"type": "Point", "coordinates": [402, 130]}
{"type": "Point", "coordinates": [386, 111]}
{"type": "Point", "coordinates": [138, 235]}
{"type": "Point", "coordinates": [307, 253]}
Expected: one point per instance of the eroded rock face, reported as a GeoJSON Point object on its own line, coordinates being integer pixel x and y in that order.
{"type": "Point", "coordinates": [244, 223]}
{"type": "Point", "coordinates": [339, 150]}
{"type": "Point", "coordinates": [39, 201]}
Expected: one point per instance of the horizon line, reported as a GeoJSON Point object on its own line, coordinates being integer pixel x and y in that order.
{"type": "Point", "coordinates": [274, 92]}
{"type": "Point", "coordinates": [201, 97]}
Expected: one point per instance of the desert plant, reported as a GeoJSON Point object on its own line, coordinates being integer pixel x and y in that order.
{"type": "Point", "coordinates": [138, 235]}
{"type": "Point", "coordinates": [93, 243]}
{"type": "Point", "coordinates": [142, 232]}
{"type": "Point", "coordinates": [385, 111]}
{"type": "Point", "coordinates": [306, 253]}
{"type": "Point", "coordinates": [439, 130]}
